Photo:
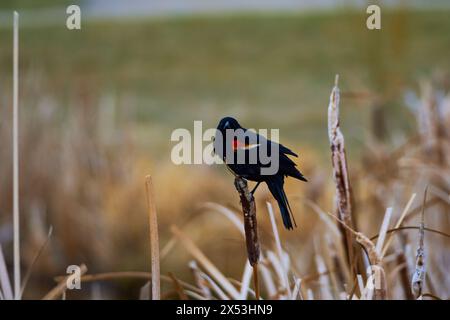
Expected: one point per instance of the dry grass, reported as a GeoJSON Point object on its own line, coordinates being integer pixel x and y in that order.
{"type": "Point", "coordinates": [335, 265]}
{"type": "Point", "coordinates": [154, 240]}
{"type": "Point", "coordinates": [315, 261]}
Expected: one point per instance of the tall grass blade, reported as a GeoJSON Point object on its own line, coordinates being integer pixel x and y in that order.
{"type": "Point", "coordinates": [383, 230]}
{"type": "Point", "coordinates": [154, 240]}
{"type": "Point", "coordinates": [16, 157]}
{"type": "Point", "coordinates": [399, 223]}
{"type": "Point", "coordinates": [205, 262]}
{"type": "Point", "coordinates": [5, 283]}
{"type": "Point", "coordinates": [36, 258]}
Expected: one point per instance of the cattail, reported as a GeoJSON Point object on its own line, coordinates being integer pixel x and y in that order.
{"type": "Point", "coordinates": [340, 173]}
{"type": "Point", "coordinates": [420, 270]}
{"type": "Point", "coordinates": [249, 211]}
{"type": "Point", "coordinates": [250, 226]}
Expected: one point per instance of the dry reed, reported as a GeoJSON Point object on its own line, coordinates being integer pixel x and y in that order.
{"type": "Point", "coordinates": [154, 240]}
{"type": "Point", "coordinates": [340, 170]}
{"type": "Point", "coordinates": [250, 226]}
{"type": "Point", "coordinates": [417, 282]}
{"type": "Point", "coordinates": [17, 286]}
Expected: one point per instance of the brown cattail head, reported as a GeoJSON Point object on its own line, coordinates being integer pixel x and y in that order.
{"type": "Point", "coordinates": [340, 173]}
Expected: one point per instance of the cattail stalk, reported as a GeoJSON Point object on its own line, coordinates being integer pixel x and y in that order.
{"type": "Point", "coordinates": [340, 172]}
{"type": "Point", "coordinates": [250, 226]}
{"type": "Point", "coordinates": [418, 278]}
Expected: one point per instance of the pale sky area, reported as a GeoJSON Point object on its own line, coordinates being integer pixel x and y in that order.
{"type": "Point", "coordinates": [174, 7]}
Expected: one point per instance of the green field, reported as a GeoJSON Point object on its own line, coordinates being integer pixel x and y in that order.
{"type": "Point", "coordinates": [31, 4]}
{"type": "Point", "coordinates": [267, 70]}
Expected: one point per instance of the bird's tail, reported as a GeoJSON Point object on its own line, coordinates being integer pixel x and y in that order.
{"type": "Point", "coordinates": [275, 185]}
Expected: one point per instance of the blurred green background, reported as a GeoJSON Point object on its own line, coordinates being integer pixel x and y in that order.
{"type": "Point", "coordinates": [267, 69]}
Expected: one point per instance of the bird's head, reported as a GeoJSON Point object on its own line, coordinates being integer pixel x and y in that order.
{"type": "Point", "coordinates": [228, 123]}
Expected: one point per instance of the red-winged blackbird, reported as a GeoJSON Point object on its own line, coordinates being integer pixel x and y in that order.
{"type": "Point", "coordinates": [243, 152]}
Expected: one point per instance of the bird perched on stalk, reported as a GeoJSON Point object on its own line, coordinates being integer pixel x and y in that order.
{"type": "Point", "coordinates": [255, 158]}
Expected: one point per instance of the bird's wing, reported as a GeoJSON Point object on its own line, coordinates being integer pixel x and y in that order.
{"type": "Point", "coordinates": [282, 148]}
{"type": "Point", "coordinates": [249, 140]}
{"type": "Point", "coordinates": [285, 150]}
{"type": "Point", "coordinates": [254, 140]}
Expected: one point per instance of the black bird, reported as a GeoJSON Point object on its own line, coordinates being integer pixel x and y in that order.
{"type": "Point", "coordinates": [241, 151]}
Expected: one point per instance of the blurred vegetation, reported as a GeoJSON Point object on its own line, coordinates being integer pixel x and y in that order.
{"type": "Point", "coordinates": [84, 164]}
{"type": "Point", "coordinates": [267, 70]}
{"type": "Point", "coordinates": [33, 4]}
